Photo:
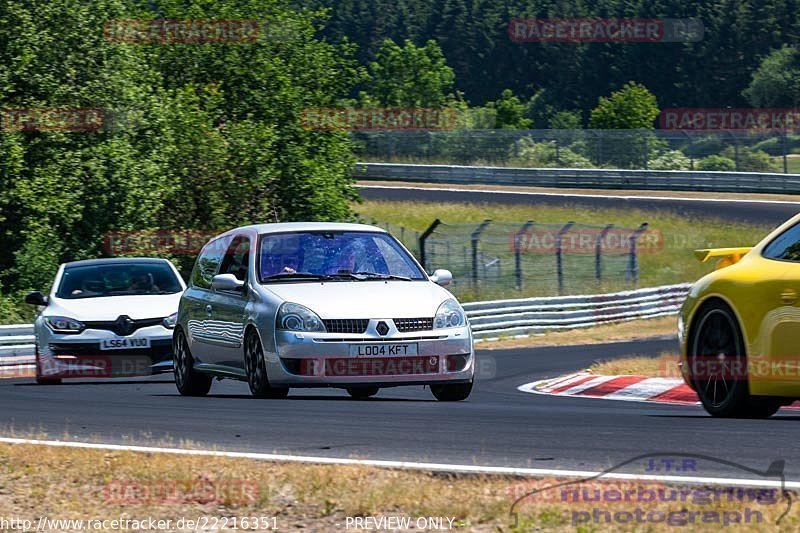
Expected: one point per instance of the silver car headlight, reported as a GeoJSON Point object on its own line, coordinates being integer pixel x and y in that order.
{"type": "Point", "coordinates": [295, 317]}
{"type": "Point", "coordinates": [62, 324]}
{"type": "Point", "coordinates": [449, 315]}
{"type": "Point", "coordinates": [170, 321]}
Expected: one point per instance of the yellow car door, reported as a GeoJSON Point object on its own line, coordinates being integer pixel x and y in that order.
{"type": "Point", "coordinates": [775, 370]}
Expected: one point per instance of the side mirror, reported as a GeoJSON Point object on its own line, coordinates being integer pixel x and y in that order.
{"type": "Point", "coordinates": [442, 277]}
{"type": "Point", "coordinates": [36, 298]}
{"type": "Point", "coordinates": [226, 282]}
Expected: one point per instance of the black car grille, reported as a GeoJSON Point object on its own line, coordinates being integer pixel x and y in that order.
{"type": "Point", "coordinates": [124, 326]}
{"type": "Point", "coordinates": [413, 324]}
{"type": "Point", "coordinates": [345, 325]}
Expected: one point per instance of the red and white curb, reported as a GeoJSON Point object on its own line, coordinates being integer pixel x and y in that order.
{"type": "Point", "coordinates": [625, 388]}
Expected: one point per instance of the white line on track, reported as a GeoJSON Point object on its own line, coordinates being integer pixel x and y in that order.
{"type": "Point", "coordinates": [407, 465]}
{"type": "Point", "coordinates": [588, 195]}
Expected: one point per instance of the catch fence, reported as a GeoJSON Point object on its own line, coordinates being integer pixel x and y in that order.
{"type": "Point", "coordinates": [490, 259]}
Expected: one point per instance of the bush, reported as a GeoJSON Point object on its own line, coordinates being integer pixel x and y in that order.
{"type": "Point", "coordinates": [750, 160]}
{"type": "Point", "coordinates": [775, 146]}
{"type": "Point", "coordinates": [670, 160]}
{"type": "Point", "coordinates": [716, 163]}
{"type": "Point", "coordinates": [13, 310]}
{"type": "Point", "coordinates": [528, 153]}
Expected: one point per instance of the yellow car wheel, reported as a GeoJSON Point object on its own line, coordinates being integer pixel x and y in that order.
{"type": "Point", "coordinates": [718, 366]}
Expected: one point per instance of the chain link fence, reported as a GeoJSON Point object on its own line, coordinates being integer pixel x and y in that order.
{"type": "Point", "coordinates": [501, 259]}
{"type": "Point", "coordinates": [741, 151]}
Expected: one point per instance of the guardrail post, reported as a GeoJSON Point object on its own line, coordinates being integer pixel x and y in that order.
{"type": "Point", "coordinates": [560, 256]}
{"type": "Point", "coordinates": [632, 273]}
{"type": "Point", "coordinates": [423, 238]}
{"type": "Point", "coordinates": [476, 236]}
{"type": "Point", "coordinates": [518, 252]}
{"type": "Point", "coordinates": [598, 252]}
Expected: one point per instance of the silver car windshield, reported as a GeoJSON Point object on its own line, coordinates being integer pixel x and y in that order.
{"type": "Point", "coordinates": [123, 279]}
{"type": "Point", "coordinates": [338, 256]}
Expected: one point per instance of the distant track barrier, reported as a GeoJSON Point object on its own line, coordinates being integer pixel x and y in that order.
{"type": "Point", "coordinates": [535, 315]}
{"type": "Point", "coordinates": [657, 180]}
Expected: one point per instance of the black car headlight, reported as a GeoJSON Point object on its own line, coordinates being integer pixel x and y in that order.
{"type": "Point", "coordinates": [62, 324]}
{"type": "Point", "coordinates": [295, 317]}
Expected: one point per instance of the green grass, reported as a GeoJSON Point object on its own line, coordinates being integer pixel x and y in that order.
{"type": "Point", "coordinates": [674, 263]}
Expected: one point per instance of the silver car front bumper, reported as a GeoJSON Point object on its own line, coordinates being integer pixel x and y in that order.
{"type": "Point", "coordinates": [332, 360]}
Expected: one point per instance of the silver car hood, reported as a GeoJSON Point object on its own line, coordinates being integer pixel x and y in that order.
{"type": "Point", "coordinates": [365, 299]}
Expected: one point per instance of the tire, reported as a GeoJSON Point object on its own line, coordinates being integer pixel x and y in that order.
{"type": "Point", "coordinates": [41, 380]}
{"type": "Point", "coordinates": [362, 393]}
{"type": "Point", "coordinates": [718, 366]}
{"type": "Point", "coordinates": [256, 369]}
{"type": "Point", "coordinates": [452, 393]}
{"type": "Point", "coordinates": [187, 379]}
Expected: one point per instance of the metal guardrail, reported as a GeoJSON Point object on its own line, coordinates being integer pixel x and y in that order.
{"type": "Point", "coordinates": [661, 180]}
{"type": "Point", "coordinates": [533, 315]}
{"type": "Point", "coordinates": [16, 340]}
{"type": "Point", "coordinates": [500, 317]}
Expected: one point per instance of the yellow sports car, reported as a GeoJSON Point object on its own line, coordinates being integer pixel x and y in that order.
{"type": "Point", "coordinates": [740, 328]}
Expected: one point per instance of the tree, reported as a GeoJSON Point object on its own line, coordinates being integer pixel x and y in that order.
{"type": "Point", "coordinates": [195, 136]}
{"type": "Point", "coordinates": [776, 82]}
{"type": "Point", "coordinates": [409, 76]}
{"type": "Point", "coordinates": [566, 120]}
{"type": "Point", "coordinates": [632, 107]}
{"type": "Point", "coordinates": [511, 112]}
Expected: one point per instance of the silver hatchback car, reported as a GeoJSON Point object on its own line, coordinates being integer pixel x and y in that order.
{"type": "Point", "coordinates": [319, 305]}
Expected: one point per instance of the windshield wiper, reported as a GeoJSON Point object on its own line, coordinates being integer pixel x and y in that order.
{"type": "Point", "coordinates": [289, 276]}
{"type": "Point", "coordinates": [375, 275]}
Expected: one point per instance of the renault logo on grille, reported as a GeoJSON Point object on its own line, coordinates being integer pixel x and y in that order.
{"type": "Point", "coordinates": [124, 325]}
{"type": "Point", "coordinates": [382, 328]}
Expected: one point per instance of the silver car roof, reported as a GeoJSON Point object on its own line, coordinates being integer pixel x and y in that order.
{"type": "Point", "coordinates": [307, 226]}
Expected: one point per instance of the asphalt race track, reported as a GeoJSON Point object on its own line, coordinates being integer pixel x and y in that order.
{"type": "Point", "coordinates": [497, 426]}
{"type": "Point", "coordinates": [759, 212]}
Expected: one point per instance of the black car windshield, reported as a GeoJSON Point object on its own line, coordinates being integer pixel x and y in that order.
{"type": "Point", "coordinates": [345, 256]}
{"type": "Point", "coordinates": [119, 279]}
